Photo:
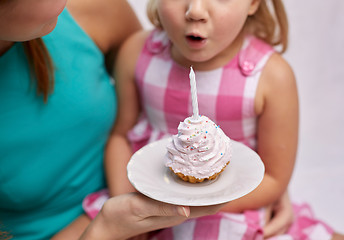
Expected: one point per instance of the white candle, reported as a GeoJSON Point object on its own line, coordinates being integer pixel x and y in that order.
{"type": "Point", "coordinates": [193, 94]}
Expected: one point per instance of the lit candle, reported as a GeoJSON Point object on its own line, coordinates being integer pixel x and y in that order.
{"type": "Point", "coordinates": [193, 94]}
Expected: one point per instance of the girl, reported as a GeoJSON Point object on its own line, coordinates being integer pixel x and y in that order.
{"type": "Point", "coordinates": [244, 85]}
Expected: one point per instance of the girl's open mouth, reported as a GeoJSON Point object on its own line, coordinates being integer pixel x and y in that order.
{"type": "Point", "coordinates": [195, 41]}
{"type": "Point", "coordinates": [194, 38]}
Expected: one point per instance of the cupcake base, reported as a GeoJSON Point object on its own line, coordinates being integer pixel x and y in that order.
{"type": "Point", "coordinates": [193, 179]}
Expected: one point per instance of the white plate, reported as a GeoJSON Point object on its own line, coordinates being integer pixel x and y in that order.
{"type": "Point", "coordinates": [148, 174]}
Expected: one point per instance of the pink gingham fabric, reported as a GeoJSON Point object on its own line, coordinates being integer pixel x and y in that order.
{"type": "Point", "coordinates": [225, 95]}
{"type": "Point", "coordinates": [246, 226]}
{"type": "Point", "coordinates": [229, 226]}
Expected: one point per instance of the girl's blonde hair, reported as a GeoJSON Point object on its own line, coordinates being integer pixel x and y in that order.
{"type": "Point", "coordinates": [269, 22]}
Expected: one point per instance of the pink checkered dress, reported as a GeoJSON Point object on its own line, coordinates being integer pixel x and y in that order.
{"type": "Point", "coordinates": [225, 95]}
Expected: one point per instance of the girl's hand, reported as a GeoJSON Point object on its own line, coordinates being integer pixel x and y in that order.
{"type": "Point", "coordinates": [279, 216]}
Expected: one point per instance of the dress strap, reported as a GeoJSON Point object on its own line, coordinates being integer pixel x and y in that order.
{"type": "Point", "coordinates": [254, 55]}
{"type": "Point", "coordinates": [157, 41]}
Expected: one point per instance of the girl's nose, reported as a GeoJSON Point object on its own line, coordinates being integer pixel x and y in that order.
{"type": "Point", "coordinates": [196, 11]}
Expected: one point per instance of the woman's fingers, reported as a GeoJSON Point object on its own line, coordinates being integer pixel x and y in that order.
{"type": "Point", "coordinates": [145, 207]}
{"type": "Point", "coordinates": [205, 210]}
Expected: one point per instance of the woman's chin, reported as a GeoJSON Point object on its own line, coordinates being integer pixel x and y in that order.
{"type": "Point", "coordinates": [48, 28]}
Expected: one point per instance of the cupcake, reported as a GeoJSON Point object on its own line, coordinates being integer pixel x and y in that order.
{"type": "Point", "coordinates": [200, 151]}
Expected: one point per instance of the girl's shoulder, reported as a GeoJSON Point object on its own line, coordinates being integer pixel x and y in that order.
{"type": "Point", "coordinates": [259, 56]}
{"type": "Point", "coordinates": [275, 66]}
{"type": "Point", "coordinates": [143, 42]}
{"type": "Point", "coordinates": [135, 43]}
{"type": "Point", "coordinates": [277, 83]}
{"type": "Point", "coordinates": [129, 53]}
{"type": "Point", "coordinates": [278, 71]}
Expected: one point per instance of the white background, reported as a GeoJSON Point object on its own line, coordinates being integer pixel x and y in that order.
{"type": "Point", "coordinates": [316, 53]}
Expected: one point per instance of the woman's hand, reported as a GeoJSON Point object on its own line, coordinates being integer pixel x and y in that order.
{"type": "Point", "coordinates": [131, 214]}
{"type": "Point", "coordinates": [279, 216]}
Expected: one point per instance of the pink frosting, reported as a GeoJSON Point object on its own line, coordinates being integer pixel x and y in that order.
{"type": "Point", "coordinates": [200, 149]}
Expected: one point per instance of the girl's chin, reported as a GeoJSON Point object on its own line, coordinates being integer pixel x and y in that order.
{"type": "Point", "coordinates": [187, 57]}
{"type": "Point", "coordinates": [198, 59]}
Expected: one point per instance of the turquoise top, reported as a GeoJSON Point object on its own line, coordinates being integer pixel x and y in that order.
{"type": "Point", "coordinates": [51, 155]}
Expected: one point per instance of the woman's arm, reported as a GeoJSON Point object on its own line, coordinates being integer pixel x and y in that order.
{"type": "Point", "coordinates": [109, 23]}
{"type": "Point", "coordinates": [103, 21]}
{"type": "Point", "coordinates": [276, 104]}
{"type": "Point", "coordinates": [132, 214]}
{"type": "Point", "coordinates": [73, 230]}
